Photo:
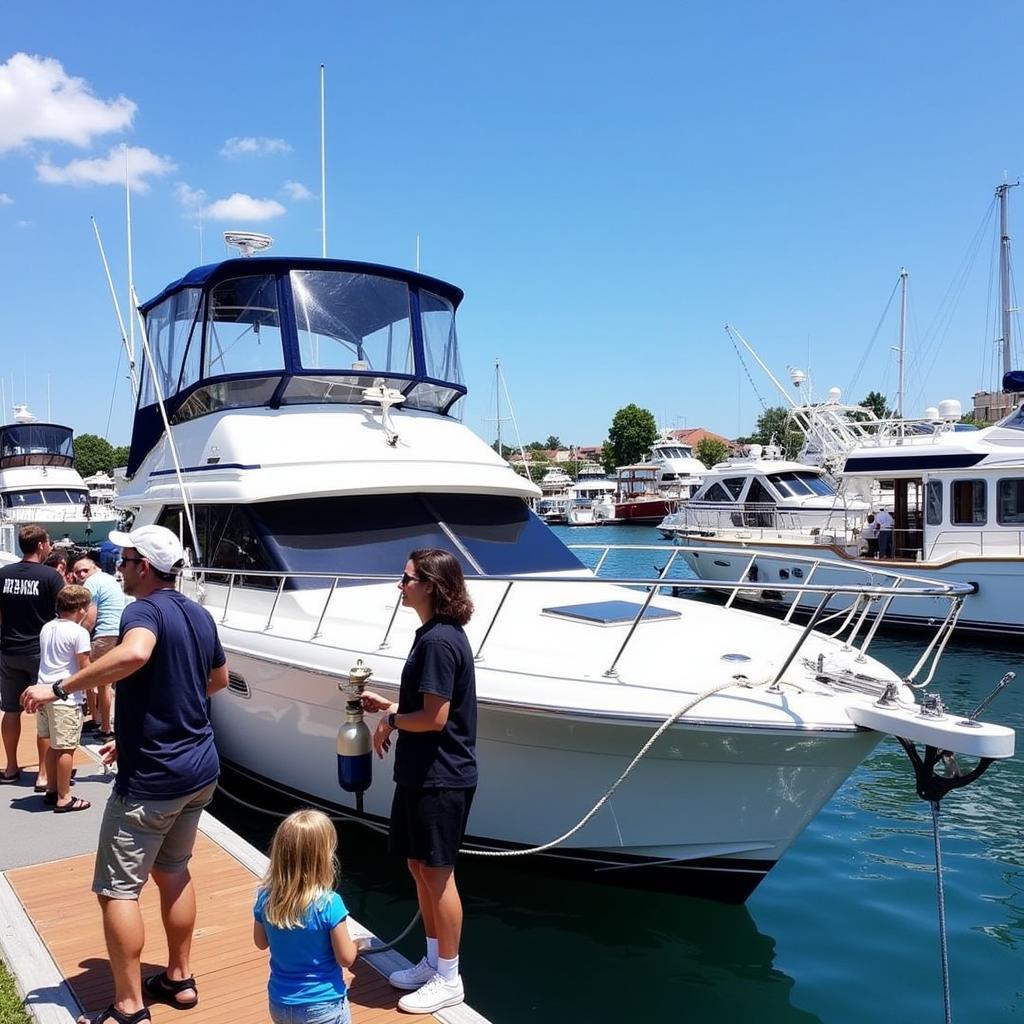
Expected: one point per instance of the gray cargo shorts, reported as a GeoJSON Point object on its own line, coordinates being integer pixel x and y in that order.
{"type": "Point", "coordinates": [138, 835]}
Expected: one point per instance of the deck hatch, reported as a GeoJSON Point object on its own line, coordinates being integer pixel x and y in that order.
{"type": "Point", "coordinates": [609, 613]}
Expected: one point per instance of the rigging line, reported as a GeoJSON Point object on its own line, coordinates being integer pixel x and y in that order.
{"type": "Point", "coordinates": [113, 393]}
{"type": "Point", "coordinates": [874, 338]}
{"type": "Point", "coordinates": [746, 370]}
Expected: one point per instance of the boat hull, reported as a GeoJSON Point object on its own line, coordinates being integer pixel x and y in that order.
{"type": "Point", "coordinates": [707, 812]}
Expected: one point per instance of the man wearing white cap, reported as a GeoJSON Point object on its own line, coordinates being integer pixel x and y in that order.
{"type": "Point", "coordinates": [167, 662]}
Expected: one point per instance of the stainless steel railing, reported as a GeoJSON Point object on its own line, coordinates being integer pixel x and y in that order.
{"type": "Point", "coordinates": [868, 599]}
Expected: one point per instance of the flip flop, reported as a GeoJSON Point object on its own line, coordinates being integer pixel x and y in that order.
{"type": "Point", "coordinates": [37, 788]}
{"type": "Point", "coordinates": [112, 1013]}
{"type": "Point", "coordinates": [10, 780]}
{"type": "Point", "coordinates": [161, 989]}
{"type": "Point", "coordinates": [76, 804]}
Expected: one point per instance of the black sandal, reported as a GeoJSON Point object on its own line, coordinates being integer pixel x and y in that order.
{"type": "Point", "coordinates": [161, 989]}
{"type": "Point", "coordinates": [76, 803]}
{"type": "Point", "coordinates": [112, 1013]}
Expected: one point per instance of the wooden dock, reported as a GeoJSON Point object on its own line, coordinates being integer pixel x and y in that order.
{"type": "Point", "coordinates": [52, 939]}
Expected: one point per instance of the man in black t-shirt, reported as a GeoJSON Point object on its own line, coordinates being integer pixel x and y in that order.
{"type": "Point", "coordinates": [28, 600]}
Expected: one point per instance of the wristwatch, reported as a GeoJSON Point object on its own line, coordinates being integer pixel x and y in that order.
{"type": "Point", "coordinates": [59, 692]}
{"type": "Point", "coordinates": [391, 721]}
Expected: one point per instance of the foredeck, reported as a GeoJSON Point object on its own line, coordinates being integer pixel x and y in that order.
{"type": "Point", "coordinates": [52, 939]}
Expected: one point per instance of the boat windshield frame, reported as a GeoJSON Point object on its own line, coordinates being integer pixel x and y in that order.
{"type": "Point", "coordinates": [36, 444]}
{"type": "Point", "coordinates": [269, 331]}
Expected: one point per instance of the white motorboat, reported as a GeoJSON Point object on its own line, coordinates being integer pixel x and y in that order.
{"type": "Point", "coordinates": [101, 488]}
{"type": "Point", "coordinates": [681, 471]}
{"type": "Point", "coordinates": [761, 495]}
{"type": "Point", "coordinates": [39, 483]}
{"type": "Point", "coordinates": [958, 509]}
{"type": "Point", "coordinates": [313, 409]}
{"type": "Point", "coordinates": [593, 497]}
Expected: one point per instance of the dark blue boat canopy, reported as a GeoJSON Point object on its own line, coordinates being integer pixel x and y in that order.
{"type": "Point", "coordinates": [273, 331]}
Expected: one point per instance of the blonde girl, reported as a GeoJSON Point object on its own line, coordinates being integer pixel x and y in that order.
{"type": "Point", "coordinates": [300, 917]}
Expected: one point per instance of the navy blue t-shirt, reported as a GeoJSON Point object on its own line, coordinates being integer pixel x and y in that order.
{"type": "Point", "coordinates": [165, 745]}
{"type": "Point", "coordinates": [440, 662]}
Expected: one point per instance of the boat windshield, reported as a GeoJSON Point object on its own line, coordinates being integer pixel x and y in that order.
{"type": "Point", "coordinates": [1015, 421]}
{"type": "Point", "coordinates": [44, 496]}
{"type": "Point", "coordinates": [799, 484]}
{"type": "Point", "coordinates": [36, 444]}
{"type": "Point", "coordinates": [374, 533]}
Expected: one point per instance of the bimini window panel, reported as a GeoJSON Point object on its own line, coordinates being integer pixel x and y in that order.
{"type": "Point", "coordinates": [372, 534]}
{"type": "Point", "coordinates": [275, 332]}
{"type": "Point", "coordinates": [36, 444]}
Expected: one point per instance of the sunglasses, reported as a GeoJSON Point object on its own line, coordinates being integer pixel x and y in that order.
{"type": "Point", "coordinates": [406, 578]}
{"type": "Point", "coordinates": [124, 561]}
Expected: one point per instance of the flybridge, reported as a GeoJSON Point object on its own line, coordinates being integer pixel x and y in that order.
{"type": "Point", "coordinates": [274, 332]}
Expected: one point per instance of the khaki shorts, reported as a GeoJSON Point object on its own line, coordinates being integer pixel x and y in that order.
{"type": "Point", "coordinates": [137, 836]}
{"type": "Point", "coordinates": [100, 646]}
{"type": "Point", "coordinates": [60, 723]}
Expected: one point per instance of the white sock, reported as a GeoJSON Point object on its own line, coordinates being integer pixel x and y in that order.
{"type": "Point", "coordinates": [432, 952]}
{"type": "Point", "coordinates": [448, 969]}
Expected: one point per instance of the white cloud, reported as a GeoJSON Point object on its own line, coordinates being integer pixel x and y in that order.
{"type": "Point", "coordinates": [253, 146]}
{"type": "Point", "coordinates": [24, 224]}
{"type": "Point", "coordinates": [40, 101]}
{"type": "Point", "coordinates": [192, 199]}
{"type": "Point", "coordinates": [296, 190]}
{"type": "Point", "coordinates": [109, 169]}
{"type": "Point", "coordinates": [239, 206]}
{"type": "Point", "coordinates": [5, 199]}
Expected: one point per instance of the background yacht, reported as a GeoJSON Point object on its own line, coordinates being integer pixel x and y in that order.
{"type": "Point", "coordinates": [39, 483]}
{"type": "Point", "coordinates": [314, 411]}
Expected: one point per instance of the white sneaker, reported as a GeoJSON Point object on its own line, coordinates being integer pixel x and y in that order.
{"type": "Point", "coordinates": [435, 995]}
{"type": "Point", "coordinates": [412, 978]}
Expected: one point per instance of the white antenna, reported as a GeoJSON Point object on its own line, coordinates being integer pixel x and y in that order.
{"type": "Point", "coordinates": [248, 242]}
{"type": "Point", "coordinates": [323, 171]}
{"type": "Point", "coordinates": [131, 262]}
{"type": "Point", "coordinates": [417, 254]}
{"type": "Point", "coordinates": [117, 309]}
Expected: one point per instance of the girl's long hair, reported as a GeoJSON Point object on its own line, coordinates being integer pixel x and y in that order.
{"type": "Point", "coordinates": [302, 869]}
{"type": "Point", "coordinates": [442, 569]}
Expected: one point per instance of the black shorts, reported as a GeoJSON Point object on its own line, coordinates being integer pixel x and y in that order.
{"type": "Point", "coordinates": [429, 824]}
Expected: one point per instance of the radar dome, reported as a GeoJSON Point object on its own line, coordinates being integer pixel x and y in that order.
{"type": "Point", "coordinates": [834, 395]}
{"type": "Point", "coordinates": [931, 413]}
{"type": "Point", "coordinates": [950, 409]}
{"type": "Point", "coordinates": [797, 376]}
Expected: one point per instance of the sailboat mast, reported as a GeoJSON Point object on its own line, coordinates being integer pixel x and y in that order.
{"type": "Point", "coordinates": [900, 397]}
{"type": "Point", "coordinates": [497, 398]}
{"type": "Point", "coordinates": [1004, 276]}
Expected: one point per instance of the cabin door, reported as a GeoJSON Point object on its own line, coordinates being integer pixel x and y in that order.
{"type": "Point", "coordinates": [908, 512]}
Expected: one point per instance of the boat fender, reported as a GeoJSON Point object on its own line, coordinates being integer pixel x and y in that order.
{"type": "Point", "coordinates": [355, 745]}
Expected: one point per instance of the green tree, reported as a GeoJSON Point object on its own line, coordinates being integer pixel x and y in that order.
{"type": "Point", "coordinates": [630, 436]}
{"type": "Point", "coordinates": [711, 451]}
{"type": "Point", "coordinates": [875, 401]}
{"type": "Point", "coordinates": [121, 455]}
{"type": "Point", "coordinates": [552, 443]}
{"type": "Point", "coordinates": [773, 428]}
{"type": "Point", "coordinates": [93, 453]}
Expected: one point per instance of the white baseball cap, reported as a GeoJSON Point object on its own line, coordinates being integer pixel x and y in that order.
{"type": "Point", "coordinates": [156, 544]}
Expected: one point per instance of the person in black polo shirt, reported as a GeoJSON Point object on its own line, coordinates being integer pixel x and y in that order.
{"type": "Point", "coordinates": [28, 600]}
{"type": "Point", "coordinates": [435, 767]}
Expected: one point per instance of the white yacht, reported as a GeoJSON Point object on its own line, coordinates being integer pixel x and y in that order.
{"type": "Point", "coordinates": [958, 509]}
{"type": "Point", "coordinates": [101, 488]}
{"type": "Point", "coordinates": [759, 495]}
{"type": "Point", "coordinates": [39, 483]}
{"type": "Point", "coordinates": [314, 415]}
{"type": "Point", "coordinates": [681, 471]}
{"type": "Point", "coordinates": [593, 497]}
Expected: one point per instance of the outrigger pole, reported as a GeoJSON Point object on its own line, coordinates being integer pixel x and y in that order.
{"type": "Point", "coordinates": [128, 346]}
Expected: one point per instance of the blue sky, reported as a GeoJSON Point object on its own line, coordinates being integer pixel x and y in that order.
{"type": "Point", "coordinates": [608, 183]}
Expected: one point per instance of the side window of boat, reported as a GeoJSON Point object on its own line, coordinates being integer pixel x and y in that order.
{"type": "Point", "coordinates": [735, 485]}
{"type": "Point", "coordinates": [1010, 502]}
{"type": "Point", "coordinates": [967, 503]}
{"type": "Point", "coordinates": [759, 493]}
{"type": "Point", "coordinates": [933, 502]}
{"type": "Point", "coordinates": [717, 493]}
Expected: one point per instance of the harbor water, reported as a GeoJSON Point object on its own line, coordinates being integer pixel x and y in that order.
{"type": "Point", "coordinates": [842, 931]}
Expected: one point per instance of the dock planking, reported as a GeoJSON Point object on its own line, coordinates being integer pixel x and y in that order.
{"type": "Point", "coordinates": [56, 895]}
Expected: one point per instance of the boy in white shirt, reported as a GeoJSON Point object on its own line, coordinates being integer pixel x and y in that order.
{"type": "Point", "coordinates": [63, 650]}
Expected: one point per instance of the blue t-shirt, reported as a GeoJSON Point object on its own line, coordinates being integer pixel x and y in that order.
{"type": "Point", "coordinates": [108, 597]}
{"type": "Point", "coordinates": [440, 662]}
{"type": "Point", "coordinates": [165, 745]}
{"type": "Point", "coordinates": [303, 968]}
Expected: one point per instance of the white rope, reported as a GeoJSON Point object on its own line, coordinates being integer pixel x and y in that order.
{"type": "Point", "coordinates": [692, 703]}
